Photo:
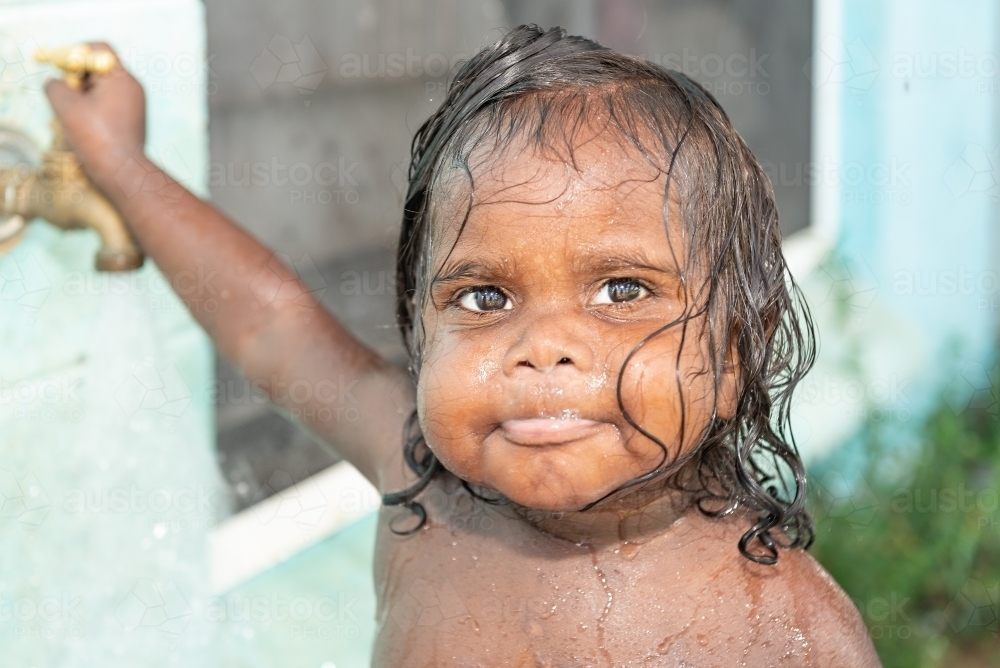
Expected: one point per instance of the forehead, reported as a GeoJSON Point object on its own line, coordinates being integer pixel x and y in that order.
{"type": "Point", "coordinates": [598, 195]}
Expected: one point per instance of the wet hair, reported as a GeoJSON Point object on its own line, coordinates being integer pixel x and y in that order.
{"type": "Point", "coordinates": [544, 88]}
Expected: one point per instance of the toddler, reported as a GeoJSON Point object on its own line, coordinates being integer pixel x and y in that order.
{"type": "Point", "coordinates": [594, 467]}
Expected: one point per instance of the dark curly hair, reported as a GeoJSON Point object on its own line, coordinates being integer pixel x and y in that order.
{"type": "Point", "coordinates": [543, 86]}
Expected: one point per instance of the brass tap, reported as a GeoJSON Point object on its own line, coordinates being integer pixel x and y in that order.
{"type": "Point", "coordinates": [77, 62]}
{"type": "Point", "coordinates": [58, 190]}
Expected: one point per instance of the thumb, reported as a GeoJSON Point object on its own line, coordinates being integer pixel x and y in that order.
{"type": "Point", "coordinates": [60, 95]}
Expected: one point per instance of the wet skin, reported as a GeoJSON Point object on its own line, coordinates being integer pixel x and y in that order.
{"type": "Point", "coordinates": [479, 587]}
{"type": "Point", "coordinates": [532, 314]}
{"type": "Point", "coordinates": [558, 274]}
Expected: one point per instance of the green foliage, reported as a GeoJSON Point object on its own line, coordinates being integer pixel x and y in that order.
{"type": "Point", "coordinates": [915, 539]}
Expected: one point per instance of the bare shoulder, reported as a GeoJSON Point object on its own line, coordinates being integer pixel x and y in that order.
{"type": "Point", "coordinates": [799, 589]}
{"type": "Point", "coordinates": [839, 636]}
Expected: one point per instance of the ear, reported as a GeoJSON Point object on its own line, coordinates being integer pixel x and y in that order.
{"type": "Point", "coordinates": [728, 394]}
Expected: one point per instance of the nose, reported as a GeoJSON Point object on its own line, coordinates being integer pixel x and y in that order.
{"type": "Point", "coordinates": [547, 343]}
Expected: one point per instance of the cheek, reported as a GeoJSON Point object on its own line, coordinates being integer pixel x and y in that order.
{"type": "Point", "coordinates": [457, 393]}
{"type": "Point", "coordinates": [669, 396]}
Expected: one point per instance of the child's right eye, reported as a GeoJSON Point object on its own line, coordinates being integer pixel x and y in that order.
{"type": "Point", "coordinates": [485, 298]}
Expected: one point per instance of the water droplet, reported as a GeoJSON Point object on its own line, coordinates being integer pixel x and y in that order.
{"type": "Point", "coordinates": [629, 550]}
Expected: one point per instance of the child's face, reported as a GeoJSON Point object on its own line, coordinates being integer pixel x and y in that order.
{"type": "Point", "coordinates": [557, 276]}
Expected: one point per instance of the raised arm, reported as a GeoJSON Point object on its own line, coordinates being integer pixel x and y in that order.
{"type": "Point", "coordinates": [261, 317]}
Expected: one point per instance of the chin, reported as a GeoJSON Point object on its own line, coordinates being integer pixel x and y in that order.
{"type": "Point", "coordinates": [547, 504]}
{"type": "Point", "coordinates": [537, 497]}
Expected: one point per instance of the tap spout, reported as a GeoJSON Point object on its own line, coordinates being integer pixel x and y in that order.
{"type": "Point", "coordinates": [59, 192]}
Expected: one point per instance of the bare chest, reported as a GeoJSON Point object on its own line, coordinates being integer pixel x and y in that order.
{"type": "Point", "coordinates": [474, 588]}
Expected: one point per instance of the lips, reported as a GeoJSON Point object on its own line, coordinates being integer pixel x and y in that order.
{"type": "Point", "coordinates": [547, 431]}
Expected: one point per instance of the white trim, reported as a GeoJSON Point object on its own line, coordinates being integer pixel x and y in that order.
{"type": "Point", "coordinates": [806, 248]}
{"type": "Point", "coordinates": [827, 121]}
{"type": "Point", "coordinates": [269, 532]}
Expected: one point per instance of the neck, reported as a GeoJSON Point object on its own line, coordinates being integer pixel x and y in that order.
{"type": "Point", "coordinates": [636, 517]}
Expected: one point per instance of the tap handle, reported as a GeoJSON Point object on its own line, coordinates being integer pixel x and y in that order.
{"type": "Point", "coordinates": [77, 62]}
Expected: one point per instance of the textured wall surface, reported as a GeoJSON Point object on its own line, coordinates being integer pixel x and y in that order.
{"type": "Point", "coordinates": [108, 486]}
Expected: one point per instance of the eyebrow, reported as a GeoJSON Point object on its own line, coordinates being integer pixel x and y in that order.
{"type": "Point", "coordinates": [476, 269]}
{"type": "Point", "coordinates": [636, 259]}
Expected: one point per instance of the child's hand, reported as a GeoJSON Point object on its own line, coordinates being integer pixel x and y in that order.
{"type": "Point", "coordinates": [104, 123]}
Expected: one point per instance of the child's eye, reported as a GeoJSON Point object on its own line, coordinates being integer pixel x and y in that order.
{"type": "Point", "coordinates": [485, 298]}
{"type": "Point", "coordinates": [619, 290]}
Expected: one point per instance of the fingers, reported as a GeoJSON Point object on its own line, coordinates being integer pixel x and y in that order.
{"type": "Point", "coordinates": [103, 46]}
{"type": "Point", "coordinates": [118, 70]}
{"type": "Point", "coordinates": [92, 81]}
{"type": "Point", "coordinates": [61, 96]}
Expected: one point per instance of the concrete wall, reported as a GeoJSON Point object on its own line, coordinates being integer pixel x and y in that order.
{"type": "Point", "coordinates": [310, 127]}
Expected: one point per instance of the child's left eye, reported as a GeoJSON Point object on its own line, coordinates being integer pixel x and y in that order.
{"type": "Point", "coordinates": [619, 290]}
